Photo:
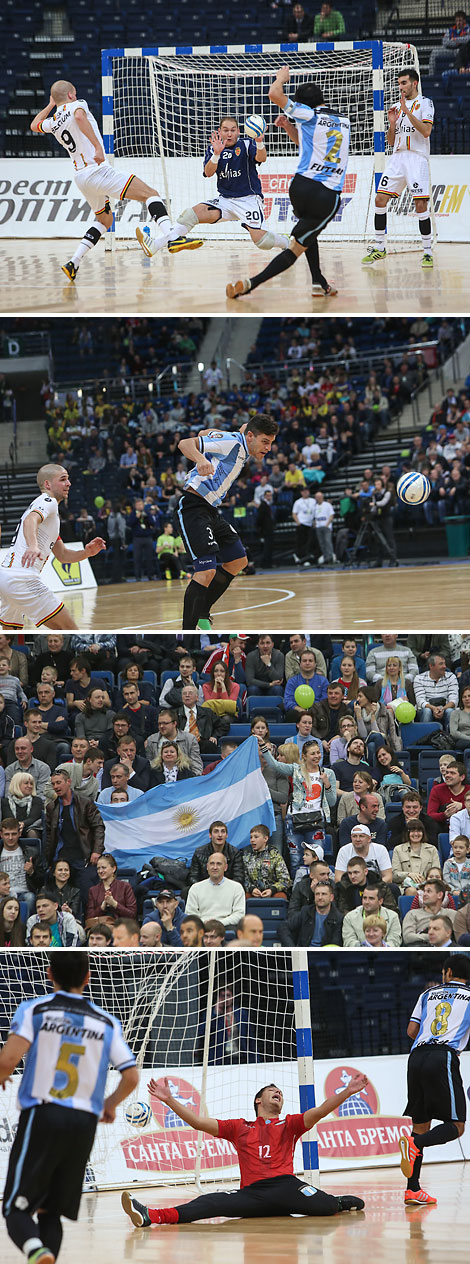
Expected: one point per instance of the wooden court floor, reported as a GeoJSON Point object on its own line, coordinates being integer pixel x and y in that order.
{"type": "Point", "coordinates": [386, 1231]}
{"type": "Point", "coordinates": [126, 282]}
{"type": "Point", "coordinates": [425, 598]}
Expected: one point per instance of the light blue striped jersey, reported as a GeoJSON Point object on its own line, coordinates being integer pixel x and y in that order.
{"type": "Point", "coordinates": [443, 1014]}
{"type": "Point", "coordinates": [228, 454]}
{"type": "Point", "coordinates": [323, 143]}
{"type": "Point", "coordinates": [72, 1043]}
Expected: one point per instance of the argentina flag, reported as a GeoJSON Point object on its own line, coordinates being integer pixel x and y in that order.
{"type": "Point", "coordinates": [173, 820]}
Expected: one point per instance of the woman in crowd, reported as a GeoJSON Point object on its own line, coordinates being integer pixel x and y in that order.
{"type": "Point", "coordinates": [132, 674]}
{"type": "Point", "coordinates": [314, 792]}
{"type": "Point", "coordinates": [68, 897]}
{"type": "Point", "coordinates": [348, 805]}
{"type": "Point", "coordinates": [171, 764]}
{"type": "Point", "coordinates": [394, 688]}
{"type": "Point", "coordinates": [12, 931]}
{"type": "Point", "coordinates": [375, 721]}
{"type": "Point", "coordinates": [24, 804]}
{"type": "Point", "coordinates": [221, 690]}
{"type": "Point", "coordinates": [390, 777]}
{"type": "Point", "coordinates": [349, 678]}
{"type": "Point", "coordinates": [347, 728]}
{"type": "Point", "coordinates": [112, 897]}
{"type": "Point", "coordinates": [413, 859]}
{"type": "Point", "coordinates": [459, 722]}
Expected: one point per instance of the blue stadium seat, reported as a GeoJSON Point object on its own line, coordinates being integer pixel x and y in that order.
{"type": "Point", "coordinates": [269, 910]}
{"type": "Point", "coordinates": [412, 733]}
{"type": "Point", "coordinates": [404, 904]}
{"type": "Point", "coordinates": [328, 846]}
{"type": "Point", "coordinates": [260, 704]}
{"type": "Point", "coordinates": [128, 875]}
{"type": "Point", "coordinates": [103, 675]}
{"type": "Point", "coordinates": [443, 846]}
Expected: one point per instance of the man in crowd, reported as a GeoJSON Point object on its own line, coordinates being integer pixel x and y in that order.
{"type": "Point", "coordinates": [218, 842]}
{"type": "Point", "coordinates": [448, 797]}
{"type": "Point", "coordinates": [417, 921]}
{"type": "Point", "coordinates": [307, 675]}
{"type": "Point", "coordinates": [375, 855]}
{"type": "Point", "coordinates": [217, 896]}
{"type": "Point", "coordinates": [318, 922]}
{"type": "Point", "coordinates": [372, 902]}
{"type": "Point", "coordinates": [264, 669]}
{"type": "Point", "coordinates": [436, 692]}
{"type": "Point", "coordinates": [75, 830]}
{"type": "Point", "coordinates": [367, 815]}
{"type": "Point", "coordinates": [168, 732]}
{"type": "Point", "coordinates": [25, 761]}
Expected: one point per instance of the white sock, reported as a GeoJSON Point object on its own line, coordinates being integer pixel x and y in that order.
{"type": "Point", "coordinates": [269, 241]}
{"type": "Point", "coordinates": [426, 238]}
{"type": "Point", "coordinates": [91, 238]}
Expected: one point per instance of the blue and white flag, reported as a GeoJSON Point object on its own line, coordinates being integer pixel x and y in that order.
{"type": "Point", "coordinates": [173, 820]}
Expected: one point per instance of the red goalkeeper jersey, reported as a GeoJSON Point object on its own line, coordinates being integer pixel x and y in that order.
{"type": "Point", "coordinates": [265, 1147]}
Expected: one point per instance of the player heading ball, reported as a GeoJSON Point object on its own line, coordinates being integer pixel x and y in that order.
{"type": "Point", "coordinates": [410, 125]}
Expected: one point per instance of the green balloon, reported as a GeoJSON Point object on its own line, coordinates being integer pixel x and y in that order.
{"type": "Point", "coordinates": [99, 502]}
{"type": "Point", "coordinates": [405, 712]}
{"type": "Point", "coordinates": [304, 696]}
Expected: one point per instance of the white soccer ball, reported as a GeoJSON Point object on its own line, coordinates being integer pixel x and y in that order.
{"type": "Point", "coordinates": [413, 488]}
{"type": "Point", "coordinates": [138, 1114]}
{"type": "Point", "coordinates": [255, 126]}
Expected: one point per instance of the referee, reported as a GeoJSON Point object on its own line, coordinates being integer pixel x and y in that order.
{"type": "Point", "coordinates": [439, 1027]}
{"type": "Point", "coordinates": [67, 1043]}
{"type": "Point", "coordinates": [265, 1148]}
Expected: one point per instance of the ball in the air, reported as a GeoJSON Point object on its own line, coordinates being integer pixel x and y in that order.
{"type": "Point", "coordinates": [255, 126]}
{"type": "Point", "coordinates": [304, 696]}
{"type": "Point", "coordinates": [413, 488]}
{"type": "Point", "coordinates": [138, 1114]}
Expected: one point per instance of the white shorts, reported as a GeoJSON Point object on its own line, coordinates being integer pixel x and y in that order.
{"type": "Point", "coordinates": [246, 209]}
{"type": "Point", "coordinates": [24, 594]}
{"type": "Point", "coordinates": [406, 169]}
{"type": "Point", "coordinates": [101, 181]}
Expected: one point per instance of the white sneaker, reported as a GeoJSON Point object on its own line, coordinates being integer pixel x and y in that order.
{"type": "Point", "coordinates": [321, 560]}
{"type": "Point", "coordinates": [150, 244]}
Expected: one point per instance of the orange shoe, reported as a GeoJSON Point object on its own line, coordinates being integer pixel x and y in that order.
{"type": "Point", "coordinates": [418, 1197]}
{"type": "Point", "coordinates": [409, 1153]}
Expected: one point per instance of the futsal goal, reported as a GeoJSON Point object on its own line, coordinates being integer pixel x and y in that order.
{"type": "Point", "coordinates": [160, 106]}
{"type": "Point", "coordinates": [220, 1026]}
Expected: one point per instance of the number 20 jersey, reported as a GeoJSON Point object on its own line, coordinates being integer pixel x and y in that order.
{"type": "Point", "coordinates": [72, 1043]}
{"type": "Point", "coordinates": [443, 1014]}
{"type": "Point", "coordinates": [323, 143]}
{"type": "Point", "coordinates": [66, 131]}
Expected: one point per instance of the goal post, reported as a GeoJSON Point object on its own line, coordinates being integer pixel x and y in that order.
{"type": "Point", "coordinates": [160, 106]}
{"type": "Point", "coordinates": [220, 1025]}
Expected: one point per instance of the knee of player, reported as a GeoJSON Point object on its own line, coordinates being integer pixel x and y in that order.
{"type": "Point", "coordinates": [381, 201]}
{"type": "Point", "coordinates": [460, 1127]}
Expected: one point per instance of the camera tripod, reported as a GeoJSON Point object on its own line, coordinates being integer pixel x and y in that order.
{"type": "Point", "coordinates": [370, 532]}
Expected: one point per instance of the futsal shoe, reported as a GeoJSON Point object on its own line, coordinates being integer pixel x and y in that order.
{"type": "Point", "coordinates": [150, 244]}
{"type": "Point", "coordinates": [184, 243]}
{"type": "Point", "coordinates": [238, 288]}
{"type": "Point", "coordinates": [373, 255]}
{"type": "Point", "coordinates": [418, 1198]}
{"type": "Point", "coordinates": [70, 270]}
{"type": "Point", "coordinates": [204, 625]}
{"type": "Point", "coordinates": [136, 1211]}
{"type": "Point", "coordinates": [427, 261]}
{"type": "Point", "coordinates": [319, 292]}
{"type": "Point", "coordinates": [42, 1255]}
{"type": "Point", "coordinates": [349, 1202]}
{"type": "Point", "coordinates": [409, 1153]}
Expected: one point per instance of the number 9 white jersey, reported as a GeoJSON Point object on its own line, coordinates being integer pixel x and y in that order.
{"type": "Point", "coordinates": [66, 131]}
{"type": "Point", "coordinates": [323, 143]}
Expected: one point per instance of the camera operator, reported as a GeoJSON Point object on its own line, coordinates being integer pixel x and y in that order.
{"type": "Point", "coordinates": [380, 508]}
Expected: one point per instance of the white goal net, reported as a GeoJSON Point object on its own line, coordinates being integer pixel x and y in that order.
{"type": "Point", "coordinates": [219, 1025]}
{"type": "Point", "coordinates": [160, 107]}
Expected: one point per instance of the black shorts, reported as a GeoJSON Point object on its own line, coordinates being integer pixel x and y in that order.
{"type": "Point", "coordinates": [205, 533]}
{"type": "Point", "coordinates": [435, 1089]}
{"type": "Point", "coordinates": [48, 1160]}
{"type": "Point", "coordinates": [314, 204]}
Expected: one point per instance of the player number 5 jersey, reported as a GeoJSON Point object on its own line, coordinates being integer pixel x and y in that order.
{"type": "Point", "coordinates": [406, 136]}
{"type": "Point", "coordinates": [64, 127]}
{"type": "Point", "coordinates": [443, 1014]}
{"type": "Point", "coordinates": [323, 143]}
{"type": "Point", "coordinates": [47, 534]}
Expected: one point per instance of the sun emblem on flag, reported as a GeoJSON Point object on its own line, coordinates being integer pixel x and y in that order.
{"type": "Point", "coordinates": [186, 818]}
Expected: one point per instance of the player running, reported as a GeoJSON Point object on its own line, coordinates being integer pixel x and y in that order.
{"type": "Point", "coordinates": [265, 1149]}
{"type": "Point", "coordinates": [22, 591]}
{"type": "Point", "coordinates": [410, 126]}
{"type": "Point", "coordinates": [67, 1043]}
{"type": "Point", "coordinates": [323, 139]}
{"type": "Point", "coordinates": [234, 160]}
{"type": "Point", "coordinates": [76, 129]}
{"type": "Point", "coordinates": [439, 1027]}
{"type": "Point", "coordinates": [218, 460]}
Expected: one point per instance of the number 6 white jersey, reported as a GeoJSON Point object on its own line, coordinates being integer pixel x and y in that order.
{"type": "Point", "coordinates": [323, 143]}
{"type": "Point", "coordinates": [72, 1043]}
{"type": "Point", "coordinates": [65, 129]}
{"type": "Point", "coordinates": [406, 136]}
{"type": "Point", "coordinates": [47, 534]}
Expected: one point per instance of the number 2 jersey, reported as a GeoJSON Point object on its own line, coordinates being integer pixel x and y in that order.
{"type": "Point", "coordinates": [47, 534]}
{"type": "Point", "coordinates": [323, 143]}
{"type": "Point", "coordinates": [406, 136]}
{"type": "Point", "coordinates": [265, 1147]}
{"type": "Point", "coordinates": [72, 1043]}
{"type": "Point", "coordinates": [66, 131]}
{"type": "Point", "coordinates": [237, 174]}
{"type": "Point", "coordinates": [443, 1014]}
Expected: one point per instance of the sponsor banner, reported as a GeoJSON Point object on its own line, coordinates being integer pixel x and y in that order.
{"type": "Point", "coordinates": [62, 577]}
{"type": "Point", "coordinates": [39, 198]}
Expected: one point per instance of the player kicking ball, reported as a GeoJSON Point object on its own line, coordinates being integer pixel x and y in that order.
{"type": "Point", "coordinates": [218, 460]}
{"type": "Point", "coordinates": [22, 591]}
{"type": "Point", "coordinates": [410, 126]}
{"type": "Point", "coordinates": [76, 129]}
{"type": "Point", "coordinates": [234, 159]}
{"type": "Point", "coordinates": [323, 139]}
{"type": "Point", "coordinates": [265, 1148]}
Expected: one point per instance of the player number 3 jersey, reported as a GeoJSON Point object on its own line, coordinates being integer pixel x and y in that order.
{"type": "Point", "coordinates": [443, 1014]}
{"type": "Point", "coordinates": [64, 127]}
{"type": "Point", "coordinates": [265, 1147]}
{"type": "Point", "coordinates": [323, 143]}
{"type": "Point", "coordinates": [72, 1042]}
{"type": "Point", "coordinates": [47, 534]}
{"type": "Point", "coordinates": [406, 136]}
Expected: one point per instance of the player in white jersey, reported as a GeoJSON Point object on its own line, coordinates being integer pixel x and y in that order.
{"type": "Point", "coordinates": [76, 129]}
{"type": "Point", "coordinates": [22, 591]}
{"type": "Point", "coordinates": [67, 1043]}
{"type": "Point", "coordinates": [315, 191]}
{"type": "Point", "coordinates": [410, 126]}
{"type": "Point", "coordinates": [439, 1027]}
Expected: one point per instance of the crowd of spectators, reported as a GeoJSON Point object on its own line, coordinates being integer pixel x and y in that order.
{"type": "Point", "coordinates": [102, 719]}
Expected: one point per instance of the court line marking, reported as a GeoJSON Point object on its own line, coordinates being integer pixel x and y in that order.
{"type": "Point", "coordinates": [278, 601]}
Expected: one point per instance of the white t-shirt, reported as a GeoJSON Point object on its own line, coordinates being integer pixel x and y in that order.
{"type": "Point", "coordinates": [377, 859]}
{"type": "Point", "coordinates": [47, 534]}
{"type": "Point", "coordinates": [323, 513]}
{"type": "Point", "coordinates": [304, 508]}
{"type": "Point", "coordinates": [66, 131]}
{"type": "Point", "coordinates": [406, 136]}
